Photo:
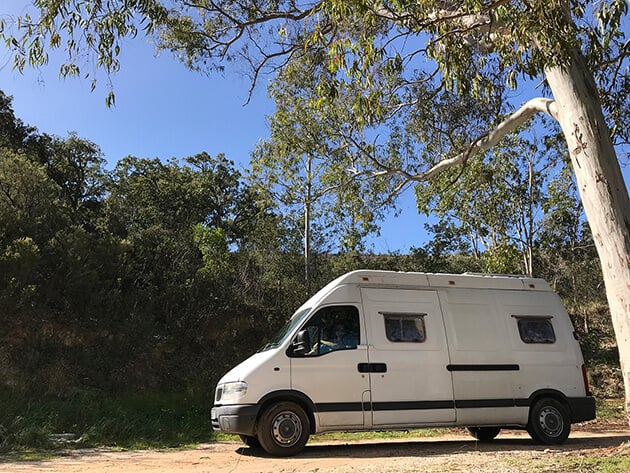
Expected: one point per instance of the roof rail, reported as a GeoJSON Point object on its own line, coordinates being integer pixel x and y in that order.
{"type": "Point", "coordinates": [501, 275]}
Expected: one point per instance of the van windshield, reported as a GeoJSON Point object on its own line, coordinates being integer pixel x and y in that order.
{"type": "Point", "coordinates": [279, 338]}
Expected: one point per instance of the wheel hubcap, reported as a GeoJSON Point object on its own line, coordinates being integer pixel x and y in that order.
{"type": "Point", "coordinates": [551, 421]}
{"type": "Point", "coordinates": [287, 429]}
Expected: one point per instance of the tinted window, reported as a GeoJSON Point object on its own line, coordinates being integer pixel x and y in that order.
{"type": "Point", "coordinates": [536, 330]}
{"type": "Point", "coordinates": [332, 329]}
{"type": "Point", "coordinates": [405, 327]}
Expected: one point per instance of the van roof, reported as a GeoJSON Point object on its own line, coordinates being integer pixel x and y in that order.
{"type": "Point", "coordinates": [469, 280]}
{"type": "Point", "coordinates": [399, 279]}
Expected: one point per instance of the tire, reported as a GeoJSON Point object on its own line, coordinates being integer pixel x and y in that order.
{"type": "Point", "coordinates": [250, 441]}
{"type": "Point", "coordinates": [549, 422]}
{"type": "Point", "coordinates": [484, 434]}
{"type": "Point", "coordinates": [283, 429]}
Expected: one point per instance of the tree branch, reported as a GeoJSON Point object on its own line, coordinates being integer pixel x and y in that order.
{"type": "Point", "coordinates": [484, 142]}
{"type": "Point", "coordinates": [515, 120]}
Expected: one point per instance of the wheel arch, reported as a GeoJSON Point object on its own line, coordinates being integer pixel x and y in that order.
{"type": "Point", "coordinates": [552, 393]}
{"type": "Point", "coordinates": [297, 397]}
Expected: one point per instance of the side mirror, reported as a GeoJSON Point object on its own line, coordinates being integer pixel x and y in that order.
{"type": "Point", "coordinates": [301, 343]}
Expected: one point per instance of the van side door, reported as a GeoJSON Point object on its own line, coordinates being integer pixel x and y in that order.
{"type": "Point", "coordinates": [408, 358]}
{"type": "Point", "coordinates": [482, 364]}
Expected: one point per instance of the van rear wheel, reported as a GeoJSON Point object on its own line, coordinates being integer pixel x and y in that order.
{"type": "Point", "coordinates": [283, 429]}
{"type": "Point", "coordinates": [484, 434]}
{"type": "Point", "coordinates": [549, 422]}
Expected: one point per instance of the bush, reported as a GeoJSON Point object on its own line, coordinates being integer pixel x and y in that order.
{"type": "Point", "coordinates": [89, 419]}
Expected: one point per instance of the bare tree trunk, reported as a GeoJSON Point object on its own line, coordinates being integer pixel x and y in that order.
{"type": "Point", "coordinates": [602, 190]}
{"type": "Point", "coordinates": [529, 231]}
{"type": "Point", "coordinates": [307, 228]}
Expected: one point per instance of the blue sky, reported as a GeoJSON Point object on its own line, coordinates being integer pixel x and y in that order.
{"type": "Point", "coordinates": [164, 110]}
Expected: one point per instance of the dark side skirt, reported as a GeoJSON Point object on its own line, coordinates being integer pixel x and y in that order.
{"type": "Point", "coordinates": [241, 419]}
{"type": "Point", "coordinates": [581, 408]}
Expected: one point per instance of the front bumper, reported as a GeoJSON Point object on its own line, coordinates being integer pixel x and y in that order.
{"type": "Point", "coordinates": [235, 419]}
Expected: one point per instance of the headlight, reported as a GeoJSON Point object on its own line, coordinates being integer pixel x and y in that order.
{"type": "Point", "coordinates": [231, 392]}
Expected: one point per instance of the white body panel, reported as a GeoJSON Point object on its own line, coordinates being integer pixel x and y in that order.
{"type": "Point", "coordinates": [472, 369]}
{"type": "Point", "coordinates": [416, 377]}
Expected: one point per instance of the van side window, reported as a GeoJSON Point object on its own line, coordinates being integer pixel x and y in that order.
{"type": "Point", "coordinates": [404, 327]}
{"type": "Point", "coordinates": [333, 328]}
{"type": "Point", "coordinates": [536, 329]}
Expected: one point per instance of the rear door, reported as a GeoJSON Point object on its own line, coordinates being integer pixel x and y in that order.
{"type": "Point", "coordinates": [408, 358]}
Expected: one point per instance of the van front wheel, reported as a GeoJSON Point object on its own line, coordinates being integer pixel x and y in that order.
{"type": "Point", "coordinates": [283, 429]}
{"type": "Point", "coordinates": [484, 434]}
{"type": "Point", "coordinates": [549, 422]}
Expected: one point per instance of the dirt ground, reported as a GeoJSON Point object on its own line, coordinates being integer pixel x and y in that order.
{"type": "Point", "coordinates": [455, 451]}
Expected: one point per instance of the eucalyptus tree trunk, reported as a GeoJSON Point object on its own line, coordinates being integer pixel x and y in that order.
{"type": "Point", "coordinates": [528, 221]}
{"type": "Point", "coordinates": [602, 189]}
{"type": "Point", "coordinates": [307, 227]}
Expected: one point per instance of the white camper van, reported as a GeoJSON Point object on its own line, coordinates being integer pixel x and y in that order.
{"type": "Point", "coordinates": [381, 350]}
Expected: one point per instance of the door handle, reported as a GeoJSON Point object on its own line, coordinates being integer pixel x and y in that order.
{"type": "Point", "coordinates": [372, 368]}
